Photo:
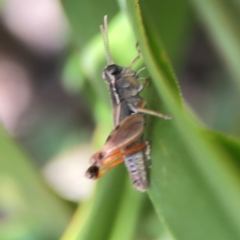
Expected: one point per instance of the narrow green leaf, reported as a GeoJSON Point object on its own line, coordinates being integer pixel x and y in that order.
{"type": "Point", "coordinates": [29, 209]}
{"type": "Point", "coordinates": [128, 214]}
{"type": "Point", "coordinates": [194, 182]}
{"type": "Point", "coordinates": [105, 208]}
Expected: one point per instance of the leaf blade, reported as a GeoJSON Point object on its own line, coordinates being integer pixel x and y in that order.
{"type": "Point", "coordinates": [211, 164]}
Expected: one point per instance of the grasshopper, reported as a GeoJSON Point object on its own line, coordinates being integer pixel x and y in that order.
{"type": "Point", "coordinates": [124, 87]}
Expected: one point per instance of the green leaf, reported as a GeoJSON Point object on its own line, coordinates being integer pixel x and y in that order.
{"type": "Point", "coordinates": [29, 210]}
{"type": "Point", "coordinates": [222, 19]}
{"type": "Point", "coordinates": [194, 180]}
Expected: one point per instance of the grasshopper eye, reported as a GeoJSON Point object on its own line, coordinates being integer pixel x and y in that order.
{"type": "Point", "coordinates": [114, 69]}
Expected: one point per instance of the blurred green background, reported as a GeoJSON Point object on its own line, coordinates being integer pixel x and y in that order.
{"type": "Point", "coordinates": [55, 113]}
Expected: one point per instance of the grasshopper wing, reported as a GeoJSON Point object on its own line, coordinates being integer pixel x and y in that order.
{"type": "Point", "coordinates": [128, 131]}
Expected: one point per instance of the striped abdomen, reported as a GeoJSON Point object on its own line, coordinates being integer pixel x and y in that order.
{"type": "Point", "coordinates": [137, 164]}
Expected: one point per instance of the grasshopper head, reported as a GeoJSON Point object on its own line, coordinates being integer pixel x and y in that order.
{"type": "Point", "coordinates": [111, 73]}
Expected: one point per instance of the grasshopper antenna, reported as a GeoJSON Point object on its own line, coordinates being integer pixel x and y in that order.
{"type": "Point", "coordinates": [104, 32]}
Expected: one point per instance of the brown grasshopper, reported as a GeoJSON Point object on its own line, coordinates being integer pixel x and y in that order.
{"type": "Point", "coordinates": [124, 87]}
